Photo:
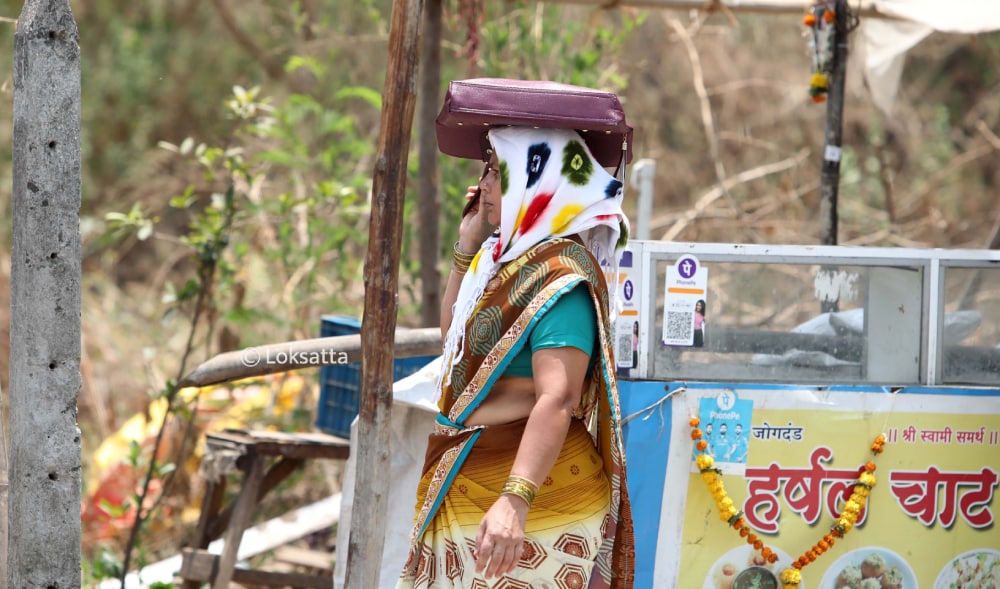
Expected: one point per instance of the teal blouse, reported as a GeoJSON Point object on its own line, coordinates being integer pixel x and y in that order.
{"type": "Point", "coordinates": [570, 321]}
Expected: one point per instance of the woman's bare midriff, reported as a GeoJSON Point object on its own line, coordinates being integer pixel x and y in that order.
{"type": "Point", "coordinates": [511, 398]}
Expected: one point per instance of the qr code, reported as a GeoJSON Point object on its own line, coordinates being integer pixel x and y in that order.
{"type": "Point", "coordinates": [680, 326]}
{"type": "Point", "coordinates": [624, 346]}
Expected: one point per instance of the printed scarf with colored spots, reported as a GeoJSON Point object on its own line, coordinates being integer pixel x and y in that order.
{"type": "Point", "coordinates": [552, 187]}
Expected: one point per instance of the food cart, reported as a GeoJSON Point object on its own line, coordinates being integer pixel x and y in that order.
{"type": "Point", "coordinates": [807, 354]}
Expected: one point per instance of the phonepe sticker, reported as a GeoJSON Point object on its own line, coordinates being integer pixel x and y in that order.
{"type": "Point", "coordinates": [627, 321]}
{"type": "Point", "coordinates": [686, 285]}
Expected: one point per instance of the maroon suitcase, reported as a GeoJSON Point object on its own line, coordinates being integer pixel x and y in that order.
{"type": "Point", "coordinates": [472, 107]}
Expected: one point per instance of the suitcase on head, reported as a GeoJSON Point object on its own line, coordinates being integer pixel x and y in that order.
{"type": "Point", "coordinates": [472, 107]}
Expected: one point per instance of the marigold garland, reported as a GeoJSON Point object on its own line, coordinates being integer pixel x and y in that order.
{"type": "Point", "coordinates": [790, 577]}
{"type": "Point", "coordinates": [819, 20]}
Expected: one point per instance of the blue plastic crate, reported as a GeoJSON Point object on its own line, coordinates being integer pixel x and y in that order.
{"type": "Point", "coordinates": [340, 384]}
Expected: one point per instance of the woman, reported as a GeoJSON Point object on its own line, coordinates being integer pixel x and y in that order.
{"type": "Point", "coordinates": [635, 344]}
{"type": "Point", "coordinates": [699, 323]}
{"type": "Point", "coordinates": [515, 490]}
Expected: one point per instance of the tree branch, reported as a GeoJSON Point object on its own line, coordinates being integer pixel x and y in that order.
{"type": "Point", "coordinates": [273, 68]}
{"type": "Point", "coordinates": [712, 195]}
{"type": "Point", "coordinates": [698, 81]}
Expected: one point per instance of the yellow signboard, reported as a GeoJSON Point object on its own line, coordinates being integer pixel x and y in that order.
{"type": "Point", "coordinates": [929, 523]}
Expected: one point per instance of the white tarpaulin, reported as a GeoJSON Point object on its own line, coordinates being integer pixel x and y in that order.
{"type": "Point", "coordinates": [953, 16]}
{"type": "Point", "coordinates": [413, 414]}
{"type": "Point", "coordinates": [886, 41]}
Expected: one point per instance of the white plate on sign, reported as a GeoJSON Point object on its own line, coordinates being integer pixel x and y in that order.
{"type": "Point", "coordinates": [979, 567]}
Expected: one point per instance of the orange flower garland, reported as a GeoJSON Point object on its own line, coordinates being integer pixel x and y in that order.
{"type": "Point", "coordinates": [819, 20]}
{"type": "Point", "coordinates": [790, 577]}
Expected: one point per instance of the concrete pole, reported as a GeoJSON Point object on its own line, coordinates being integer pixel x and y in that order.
{"type": "Point", "coordinates": [643, 174]}
{"type": "Point", "coordinates": [45, 458]}
{"type": "Point", "coordinates": [4, 486]}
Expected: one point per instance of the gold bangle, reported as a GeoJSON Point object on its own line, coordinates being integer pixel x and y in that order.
{"type": "Point", "coordinates": [462, 260]}
{"type": "Point", "coordinates": [520, 487]}
{"type": "Point", "coordinates": [463, 256]}
{"type": "Point", "coordinates": [518, 490]}
{"type": "Point", "coordinates": [526, 481]}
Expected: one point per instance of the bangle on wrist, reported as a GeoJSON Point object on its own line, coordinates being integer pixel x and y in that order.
{"type": "Point", "coordinates": [460, 254]}
{"type": "Point", "coordinates": [526, 481]}
{"type": "Point", "coordinates": [520, 487]}
{"type": "Point", "coordinates": [462, 260]}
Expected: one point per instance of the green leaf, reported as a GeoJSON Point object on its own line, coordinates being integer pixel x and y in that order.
{"type": "Point", "coordinates": [184, 201]}
{"type": "Point", "coordinates": [303, 62]}
{"type": "Point", "coordinates": [165, 469]}
{"type": "Point", "coordinates": [189, 291]}
{"type": "Point", "coordinates": [112, 509]}
{"type": "Point", "coordinates": [134, 453]}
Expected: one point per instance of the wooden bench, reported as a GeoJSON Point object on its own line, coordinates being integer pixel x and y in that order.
{"type": "Point", "coordinates": [263, 459]}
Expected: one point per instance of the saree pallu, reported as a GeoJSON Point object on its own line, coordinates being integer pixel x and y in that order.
{"type": "Point", "coordinates": [564, 527]}
{"type": "Point", "coordinates": [579, 528]}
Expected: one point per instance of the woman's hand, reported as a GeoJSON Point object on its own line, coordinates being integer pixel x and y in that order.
{"type": "Point", "coordinates": [472, 232]}
{"type": "Point", "coordinates": [475, 228]}
{"type": "Point", "coordinates": [558, 382]}
{"type": "Point", "coordinates": [500, 540]}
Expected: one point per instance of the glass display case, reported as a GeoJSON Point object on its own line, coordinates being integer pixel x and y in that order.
{"type": "Point", "coordinates": [809, 314]}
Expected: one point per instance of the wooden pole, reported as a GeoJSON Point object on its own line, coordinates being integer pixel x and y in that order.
{"type": "Point", "coordinates": [430, 203]}
{"type": "Point", "coordinates": [367, 534]}
{"type": "Point", "coordinates": [830, 174]}
{"type": "Point", "coordinates": [45, 380]}
{"type": "Point", "coordinates": [829, 186]}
